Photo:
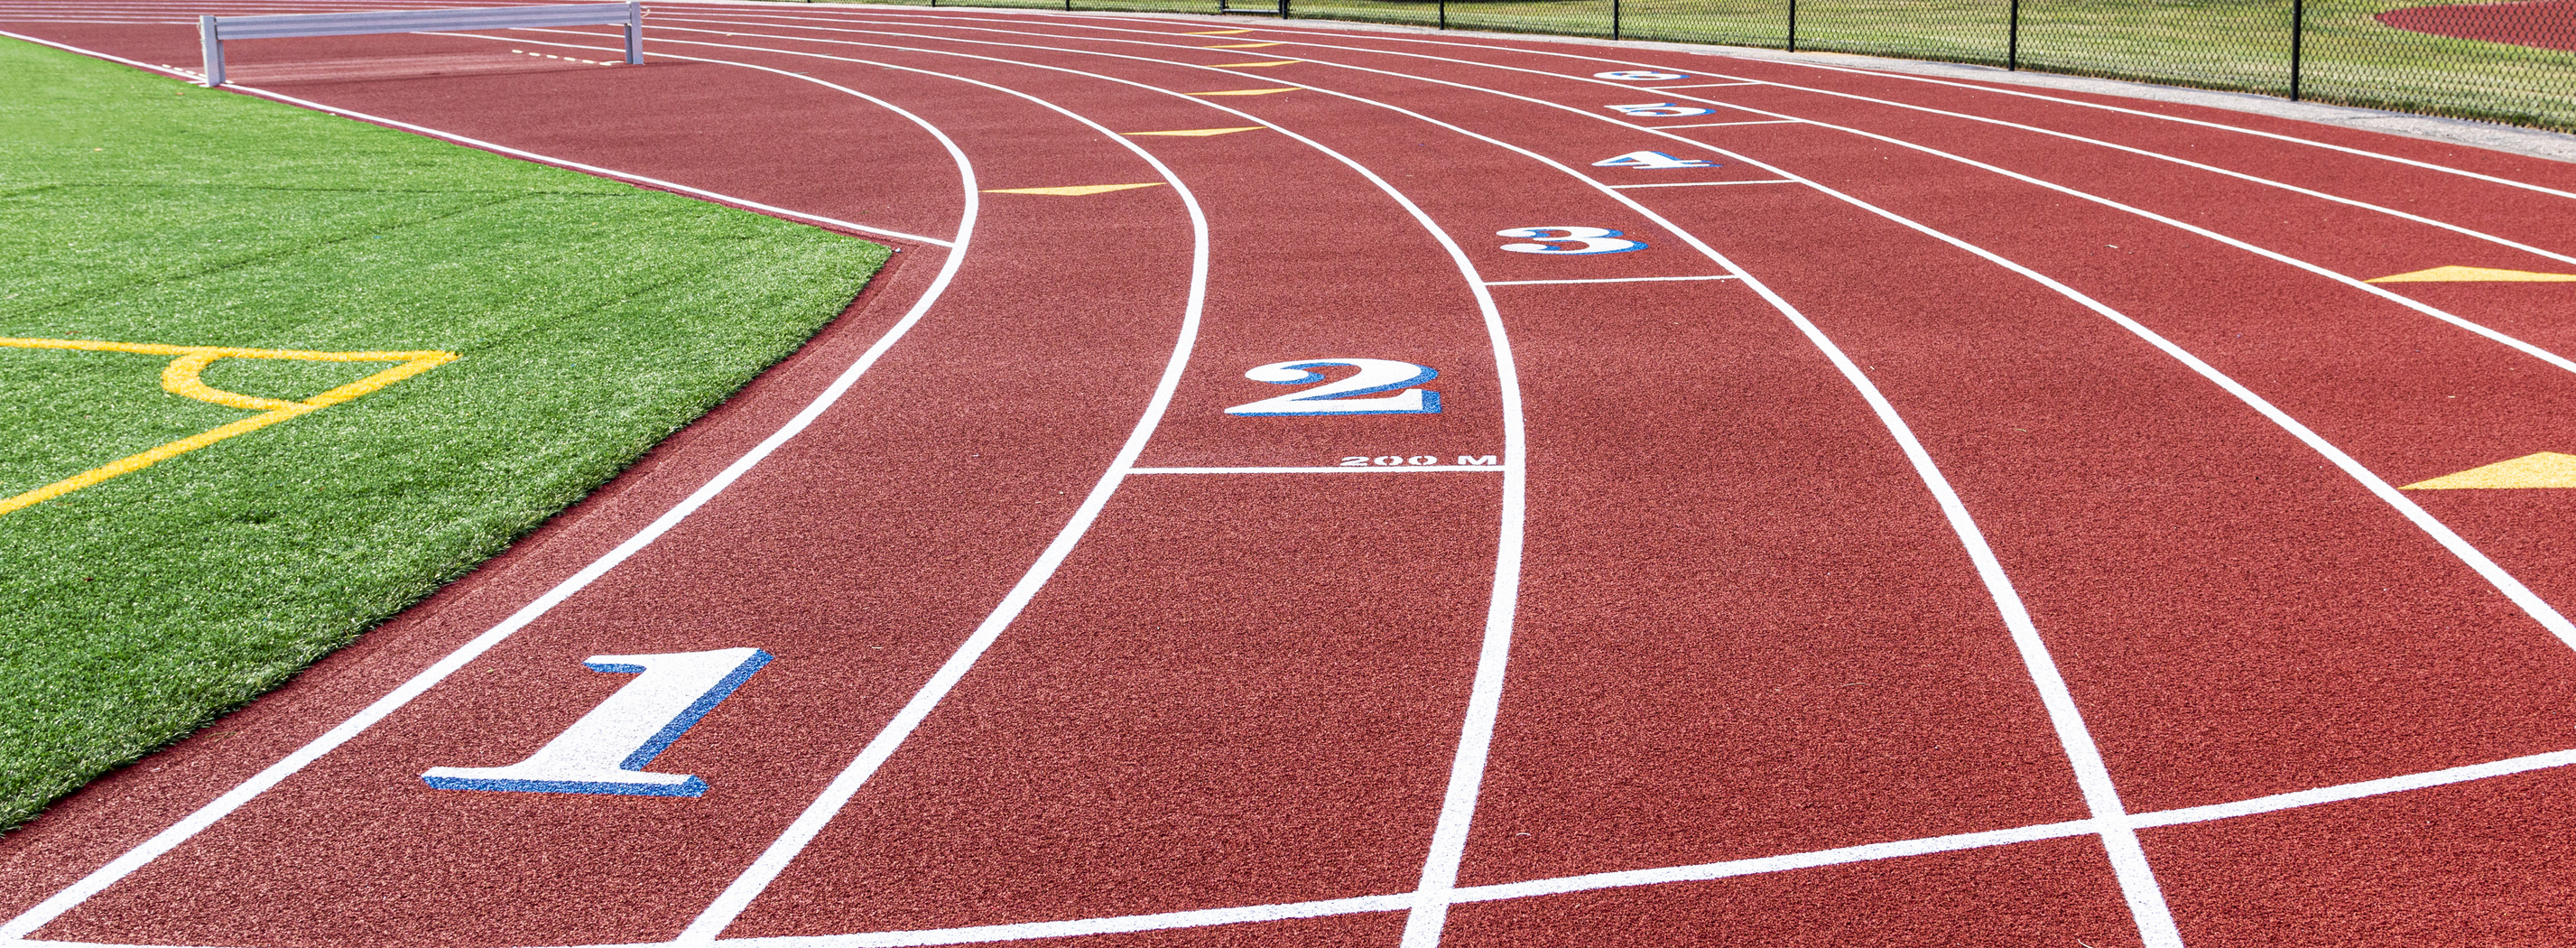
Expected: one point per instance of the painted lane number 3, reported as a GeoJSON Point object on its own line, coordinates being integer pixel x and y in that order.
{"type": "Point", "coordinates": [1343, 396]}
{"type": "Point", "coordinates": [605, 751]}
{"type": "Point", "coordinates": [1583, 240]}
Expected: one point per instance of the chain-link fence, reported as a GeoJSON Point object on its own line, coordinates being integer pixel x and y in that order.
{"type": "Point", "coordinates": [2509, 62]}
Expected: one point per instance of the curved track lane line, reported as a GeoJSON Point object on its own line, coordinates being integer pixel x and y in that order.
{"type": "Point", "coordinates": [1485, 696]}
{"type": "Point", "coordinates": [2513, 589]}
{"type": "Point", "coordinates": [2534, 351]}
{"type": "Point", "coordinates": [2137, 879]}
{"type": "Point", "coordinates": [98, 880]}
{"type": "Point", "coordinates": [2276, 136]}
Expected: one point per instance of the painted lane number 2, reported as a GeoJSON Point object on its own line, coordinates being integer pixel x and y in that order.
{"type": "Point", "coordinates": [605, 751]}
{"type": "Point", "coordinates": [1584, 240]}
{"type": "Point", "coordinates": [1344, 396]}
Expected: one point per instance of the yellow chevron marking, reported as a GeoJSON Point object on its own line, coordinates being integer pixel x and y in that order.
{"type": "Point", "coordinates": [2475, 275]}
{"type": "Point", "coordinates": [2546, 469]}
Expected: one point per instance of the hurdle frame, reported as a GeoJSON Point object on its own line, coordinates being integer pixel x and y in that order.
{"type": "Point", "coordinates": [214, 30]}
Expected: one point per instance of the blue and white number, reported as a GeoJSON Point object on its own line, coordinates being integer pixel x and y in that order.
{"type": "Point", "coordinates": [1659, 110]}
{"type": "Point", "coordinates": [1652, 159]}
{"type": "Point", "coordinates": [605, 751]}
{"type": "Point", "coordinates": [1584, 240]}
{"type": "Point", "coordinates": [1343, 396]}
{"type": "Point", "coordinates": [1640, 75]}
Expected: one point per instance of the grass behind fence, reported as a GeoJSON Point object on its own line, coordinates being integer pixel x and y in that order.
{"type": "Point", "coordinates": [2238, 45]}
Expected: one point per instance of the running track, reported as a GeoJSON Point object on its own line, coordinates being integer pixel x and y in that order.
{"type": "Point", "coordinates": [1971, 519]}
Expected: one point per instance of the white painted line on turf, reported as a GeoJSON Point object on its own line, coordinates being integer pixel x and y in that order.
{"type": "Point", "coordinates": [26, 923]}
{"type": "Point", "coordinates": [1723, 276]}
{"type": "Point", "coordinates": [1702, 184]}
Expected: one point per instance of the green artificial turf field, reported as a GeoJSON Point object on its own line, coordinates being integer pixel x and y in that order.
{"type": "Point", "coordinates": [587, 318]}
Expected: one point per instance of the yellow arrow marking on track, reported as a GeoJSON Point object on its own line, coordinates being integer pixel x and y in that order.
{"type": "Point", "coordinates": [1243, 46]}
{"type": "Point", "coordinates": [1279, 62]}
{"type": "Point", "coordinates": [2475, 275]}
{"type": "Point", "coordinates": [2546, 469]}
{"type": "Point", "coordinates": [1200, 132]}
{"type": "Point", "coordinates": [1217, 33]}
{"type": "Point", "coordinates": [1077, 190]}
{"type": "Point", "coordinates": [1245, 92]}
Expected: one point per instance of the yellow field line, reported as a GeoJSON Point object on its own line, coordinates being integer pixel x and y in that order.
{"type": "Point", "coordinates": [181, 378]}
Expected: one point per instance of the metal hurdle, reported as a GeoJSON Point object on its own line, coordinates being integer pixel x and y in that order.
{"type": "Point", "coordinates": [214, 30]}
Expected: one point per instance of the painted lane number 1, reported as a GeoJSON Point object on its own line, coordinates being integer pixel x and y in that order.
{"type": "Point", "coordinates": [605, 751]}
{"type": "Point", "coordinates": [1342, 396]}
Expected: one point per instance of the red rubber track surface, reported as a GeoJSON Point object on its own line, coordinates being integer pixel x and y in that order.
{"type": "Point", "coordinates": [1971, 518]}
{"type": "Point", "coordinates": [2549, 24]}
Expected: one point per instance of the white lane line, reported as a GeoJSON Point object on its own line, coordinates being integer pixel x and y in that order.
{"type": "Point", "coordinates": [1702, 184]}
{"type": "Point", "coordinates": [1407, 469]}
{"type": "Point", "coordinates": [2174, 159]}
{"type": "Point", "coordinates": [1782, 118]}
{"type": "Point", "coordinates": [98, 880]}
{"type": "Point", "coordinates": [1635, 878]}
{"type": "Point", "coordinates": [2504, 582]}
{"type": "Point", "coordinates": [1706, 85]}
{"type": "Point", "coordinates": [1493, 653]}
{"type": "Point", "coordinates": [809, 824]}
{"type": "Point", "coordinates": [2512, 588]}
{"type": "Point", "coordinates": [1723, 276]}
{"type": "Point", "coordinates": [2222, 126]}
{"type": "Point", "coordinates": [1726, 124]}
{"type": "Point", "coordinates": [2276, 136]}
{"type": "Point", "coordinates": [1424, 924]}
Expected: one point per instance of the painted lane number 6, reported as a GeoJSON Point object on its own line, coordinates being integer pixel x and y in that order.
{"type": "Point", "coordinates": [1343, 396]}
{"type": "Point", "coordinates": [605, 751]}
{"type": "Point", "coordinates": [1585, 240]}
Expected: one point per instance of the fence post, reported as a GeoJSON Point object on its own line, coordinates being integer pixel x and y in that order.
{"type": "Point", "coordinates": [1614, 21]}
{"type": "Point", "coordinates": [214, 50]}
{"type": "Point", "coordinates": [2012, 42]}
{"type": "Point", "coordinates": [1444, 14]}
{"type": "Point", "coordinates": [634, 32]}
{"type": "Point", "coordinates": [1793, 25]}
{"type": "Point", "coordinates": [2298, 31]}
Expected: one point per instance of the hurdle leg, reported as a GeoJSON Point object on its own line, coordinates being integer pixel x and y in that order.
{"type": "Point", "coordinates": [214, 51]}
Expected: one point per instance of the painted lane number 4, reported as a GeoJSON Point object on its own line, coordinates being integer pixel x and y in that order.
{"type": "Point", "coordinates": [605, 751]}
{"type": "Point", "coordinates": [1343, 396]}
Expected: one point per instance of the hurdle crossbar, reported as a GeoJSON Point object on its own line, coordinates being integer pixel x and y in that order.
{"type": "Point", "coordinates": [214, 30]}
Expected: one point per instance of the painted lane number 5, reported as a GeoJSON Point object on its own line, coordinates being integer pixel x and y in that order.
{"type": "Point", "coordinates": [1343, 396]}
{"type": "Point", "coordinates": [605, 751]}
{"type": "Point", "coordinates": [1584, 240]}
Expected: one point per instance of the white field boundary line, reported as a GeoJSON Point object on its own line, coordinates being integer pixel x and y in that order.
{"type": "Point", "coordinates": [1779, 117]}
{"type": "Point", "coordinates": [1633, 878]}
{"type": "Point", "coordinates": [2276, 136]}
{"type": "Point", "coordinates": [2512, 588]}
{"type": "Point", "coordinates": [612, 173]}
{"type": "Point", "coordinates": [98, 880]}
{"type": "Point", "coordinates": [1493, 653]}
{"type": "Point", "coordinates": [1428, 917]}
